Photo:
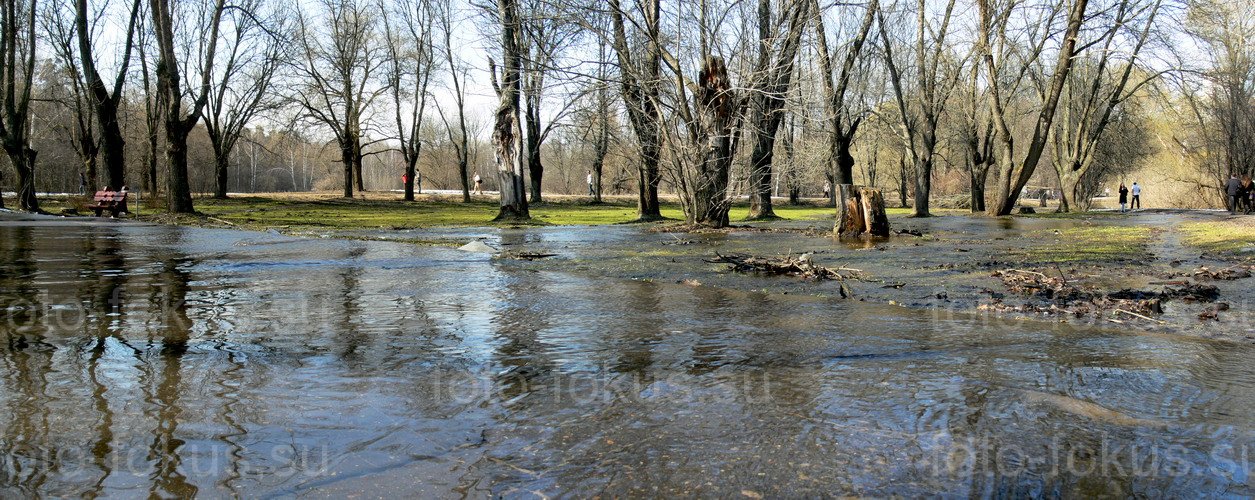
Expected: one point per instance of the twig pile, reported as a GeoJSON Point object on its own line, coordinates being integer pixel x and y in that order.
{"type": "Point", "coordinates": [801, 266]}
{"type": "Point", "coordinates": [1226, 274]}
{"type": "Point", "coordinates": [1065, 297]}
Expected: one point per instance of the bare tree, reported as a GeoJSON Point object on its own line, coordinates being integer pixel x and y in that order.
{"type": "Point", "coordinates": [543, 37]}
{"type": "Point", "coordinates": [18, 45]}
{"type": "Point", "coordinates": [338, 61]}
{"type": "Point", "coordinates": [171, 94]}
{"type": "Point", "coordinates": [601, 141]}
{"type": "Point", "coordinates": [640, 78]}
{"type": "Point", "coordinates": [105, 101]}
{"type": "Point", "coordinates": [411, 64]}
{"type": "Point", "coordinates": [1099, 87]}
{"type": "Point", "coordinates": [711, 130]}
{"type": "Point", "coordinates": [993, 29]}
{"type": "Point", "coordinates": [62, 36]}
{"type": "Point", "coordinates": [977, 134]}
{"type": "Point", "coordinates": [842, 123]}
{"type": "Point", "coordinates": [152, 117]}
{"type": "Point", "coordinates": [457, 76]}
{"type": "Point", "coordinates": [936, 74]}
{"type": "Point", "coordinates": [242, 86]}
{"type": "Point", "coordinates": [773, 76]}
{"type": "Point", "coordinates": [1219, 91]}
{"type": "Point", "coordinates": [507, 134]}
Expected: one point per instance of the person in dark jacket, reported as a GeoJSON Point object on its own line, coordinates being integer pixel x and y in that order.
{"type": "Point", "coordinates": [1231, 189]}
{"type": "Point", "coordinates": [1124, 197]}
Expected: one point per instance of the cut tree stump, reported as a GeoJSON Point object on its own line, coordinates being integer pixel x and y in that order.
{"type": "Point", "coordinates": [860, 210]}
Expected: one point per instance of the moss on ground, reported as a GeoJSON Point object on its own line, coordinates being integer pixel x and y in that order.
{"type": "Point", "coordinates": [1090, 244]}
{"type": "Point", "coordinates": [1220, 237]}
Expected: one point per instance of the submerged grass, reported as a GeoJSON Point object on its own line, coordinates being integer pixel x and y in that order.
{"type": "Point", "coordinates": [385, 211]}
{"type": "Point", "coordinates": [1091, 244]}
{"type": "Point", "coordinates": [1220, 237]}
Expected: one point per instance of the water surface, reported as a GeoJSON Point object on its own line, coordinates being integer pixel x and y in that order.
{"type": "Point", "coordinates": [142, 360]}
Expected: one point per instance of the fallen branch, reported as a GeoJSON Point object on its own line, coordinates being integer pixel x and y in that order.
{"type": "Point", "coordinates": [1136, 315]}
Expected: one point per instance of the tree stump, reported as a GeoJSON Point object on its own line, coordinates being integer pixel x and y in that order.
{"type": "Point", "coordinates": [860, 210]}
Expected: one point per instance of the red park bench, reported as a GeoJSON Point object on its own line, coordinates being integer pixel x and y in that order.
{"type": "Point", "coordinates": [113, 201]}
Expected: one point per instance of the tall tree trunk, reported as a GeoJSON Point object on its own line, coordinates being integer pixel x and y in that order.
{"type": "Point", "coordinates": [91, 160]}
{"type": "Point", "coordinates": [535, 169]}
{"type": "Point", "coordinates": [411, 168]}
{"type": "Point", "coordinates": [507, 135]}
{"type": "Point", "coordinates": [601, 146]}
{"type": "Point", "coordinates": [465, 174]}
{"type": "Point", "coordinates": [346, 157]}
{"type": "Point", "coordinates": [222, 162]}
{"type": "Point", "coordinates": [768, 101]}
{"type": "Point", "coordinates": [357, 168]}
{"type": "Point", "coordinates": [641, 95]}
{"type": "Point", "coordinates": [903, 175]}
{"type": "Point", "coordinates": [976, 187]}
{"type": "Point", "coordinates": [150, 160]}
{"type": "Point", "coordinates": [22, 157]}
{"type": "Point", "coordinates": [112, 144]}
{"type": "Point", "coordinates": [714, 103]}
{"type": "Point", "coordinates": [923, 187]}
{"type": "Point", "coordinates": [180, 190]}
{"type": "Point", "coordinates": [845, 160]}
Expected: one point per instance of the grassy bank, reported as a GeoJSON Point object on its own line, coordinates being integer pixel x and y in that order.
{"type": "Point", "coordinates": [1220, 237]}
{"type": "Point", "coordinates": [1091, 244]}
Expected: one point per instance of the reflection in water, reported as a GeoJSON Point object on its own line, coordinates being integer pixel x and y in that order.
{"type": "Point", "coordinates": [168, 479]}
{"type": "Point", "coordinates": [167, 362]}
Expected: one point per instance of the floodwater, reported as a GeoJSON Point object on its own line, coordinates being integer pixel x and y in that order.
{"type": "Point", "coordinates": [164, 361]}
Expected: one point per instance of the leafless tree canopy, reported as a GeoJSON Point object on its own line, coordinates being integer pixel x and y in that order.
{"type": "Point", "coordinates": [952, 103]}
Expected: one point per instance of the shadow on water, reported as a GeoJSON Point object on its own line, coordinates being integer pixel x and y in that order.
{"type": "Point", "coordinates": [172, 362]}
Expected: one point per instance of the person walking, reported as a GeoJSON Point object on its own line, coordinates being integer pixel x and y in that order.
{"type": "Point", "coordinates": [1231, 192]}
{"type": "Point", "coordinates": [590, 184]}
{"type": "Point", "coordinates": [1124, 198]}
{"type": "Point", "coordinates": [1137, 197]}
{"type": "Point", "coordinates": [479, 184]}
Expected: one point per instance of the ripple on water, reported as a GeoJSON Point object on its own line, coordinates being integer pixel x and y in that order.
{"type": "Point", "coordinates": [195, 365]}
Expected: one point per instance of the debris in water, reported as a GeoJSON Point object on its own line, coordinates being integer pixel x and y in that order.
{"type": "Point", "coordinates": [1227, 274]}
{"type": "Point", "coordinates": [1070, 298]}
{"type": "Point", "coordinates": [1193, 293]}
{"type": "Point", "coordinates": [1213, 312]}
{"type": "Point", "coordinates": [525, 255]}
{"type": "Point", "coordinates": [801, 267]}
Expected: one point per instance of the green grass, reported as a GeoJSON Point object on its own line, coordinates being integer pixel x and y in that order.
{"type": "Point", "coordinates": [338, 213]}
{"type": "Point", "coordinates": [1073, 215]}
{"type": "Point", "coordinates": [1219, 237]}
{"type": "Point", "coordinates": [1090, 244]}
